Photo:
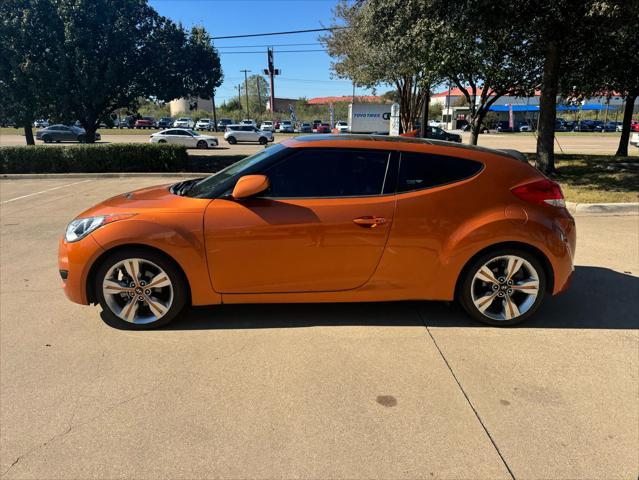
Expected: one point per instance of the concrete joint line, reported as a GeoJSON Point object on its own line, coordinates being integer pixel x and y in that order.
{"type": "Point", "coordinates": [470, 403]}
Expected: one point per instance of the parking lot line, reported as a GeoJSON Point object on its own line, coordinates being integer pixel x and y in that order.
{"type": "Point", "coordinates": [43, 191]}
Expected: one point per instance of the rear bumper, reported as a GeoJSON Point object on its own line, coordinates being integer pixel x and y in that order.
{"type": "Point", "coordinates": [76, 260]}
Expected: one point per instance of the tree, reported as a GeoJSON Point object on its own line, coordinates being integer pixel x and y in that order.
{"type": "Point", "coordinates": [110, 53]}
{"type": "Point", "coordinates": [27, 67]}
{"type": "Point", "coordinates": [387, 42]}
{"type": "Point", "coordinates": [484, 57]}
{"type": "Point", "coordinates": [609, 71]}
{"type": "Point", "coordinates": [556, 32]}
{"type": "Point", "coordinates": [258, 94]}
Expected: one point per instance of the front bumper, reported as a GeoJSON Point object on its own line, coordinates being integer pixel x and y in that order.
{"type": "Point", "coordinates": [76, 260]}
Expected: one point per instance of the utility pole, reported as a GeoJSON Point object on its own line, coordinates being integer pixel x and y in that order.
{"type": "Point", "coordinates": [271, 71]}
{"type": "Point", "coordinates": [239, 98]}
{"type": "Point", "coordinates": [248, 110]}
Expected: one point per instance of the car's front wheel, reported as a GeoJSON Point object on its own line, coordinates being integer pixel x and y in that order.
{"type": "Point", "coordinates": [263, 140]}
{"type": "Point", "coordinates": [503, 287]}
{"type": "Point", "coordinates": [140, 289]}
{"type": "Point", "coordinates": [202, 145]}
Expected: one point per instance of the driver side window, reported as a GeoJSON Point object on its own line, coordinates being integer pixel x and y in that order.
{"type": "Point", "coordinates": [317, 173]}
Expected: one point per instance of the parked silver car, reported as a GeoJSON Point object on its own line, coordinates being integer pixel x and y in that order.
{"type": "Point", "coordinates": [63, 133]}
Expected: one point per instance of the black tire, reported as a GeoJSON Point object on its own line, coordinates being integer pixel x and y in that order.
{"type": "Point", "coordinates": [179, 284]}
{"type": "Point", "coordinates": [81, 138]}
{"type": "Point", "coordinates": [46, 139]}
{"type": "Point", "coordinates": [464, 293]}
{"type": "Point", "coordinates": [263, 140]}
{"type": "Point", "coordinates": [231, 140]}
{"type": "Point", "coordinates": [162, 141]}
{"type": "Point", "coordinates": [202, 145]}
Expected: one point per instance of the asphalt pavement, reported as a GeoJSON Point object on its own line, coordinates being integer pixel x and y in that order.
{"type": "Point", "coordinates": [392, 390]}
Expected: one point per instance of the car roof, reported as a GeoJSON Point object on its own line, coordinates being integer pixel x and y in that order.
{"type": "Point", "coordinates": [392, 142]}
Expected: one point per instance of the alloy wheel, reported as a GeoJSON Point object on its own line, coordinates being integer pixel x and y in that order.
{"type": "Point", "coordinates": [138, 291]}
{"type": "Point", "coordinates": [505, 287]}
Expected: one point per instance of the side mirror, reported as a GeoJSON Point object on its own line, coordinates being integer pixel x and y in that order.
{"type": "Point", "coordinates": [250, 185]}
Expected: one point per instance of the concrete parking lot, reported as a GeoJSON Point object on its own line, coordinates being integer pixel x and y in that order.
{"type": "Point", "coordinates": [392, 390]}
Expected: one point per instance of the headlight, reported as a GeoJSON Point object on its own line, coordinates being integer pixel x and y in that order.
{"type": "Point", "coordinates": [81, 227]}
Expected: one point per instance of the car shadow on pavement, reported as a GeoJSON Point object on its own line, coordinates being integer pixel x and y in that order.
{"type": "Point", "coordinates": [599, 298]}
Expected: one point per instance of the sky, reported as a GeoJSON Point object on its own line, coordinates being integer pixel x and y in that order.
{"type": "Point", "coordinates": [303, 74]}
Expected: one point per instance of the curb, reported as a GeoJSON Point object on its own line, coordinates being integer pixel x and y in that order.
{"type": "Point", "coordinates": [602, 209]}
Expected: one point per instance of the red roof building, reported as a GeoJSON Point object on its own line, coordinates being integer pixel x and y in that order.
{"type": "Point", "coordinates": [345, 98]}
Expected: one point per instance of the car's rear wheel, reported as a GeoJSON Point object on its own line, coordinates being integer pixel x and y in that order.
{"type": "Point", "coordinates": [82, 138]}
{"type": "Point", "coordinates": [162, 141]}
{"type": "Point", "coordinates": [139, 289]}
{"type": "Point", "coordinates": [263, 140]}
{"type": "Point", "coordinates": [231, 140]}
{"type": "Point", "coordinates": [202, 145]}
{"type": "Point", "coordinates": [46, 138]}
{"type": "Point", "coordinates": [503, 287]}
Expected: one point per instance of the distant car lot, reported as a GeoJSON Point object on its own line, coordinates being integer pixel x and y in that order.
{"type": "Point", "coordinates": [392, 390]}
{"type": "Point", "coordinates": [588, 143]}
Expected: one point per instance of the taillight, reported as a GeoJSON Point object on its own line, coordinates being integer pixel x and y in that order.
{"type": "Point", "coordinates": [540, 192]}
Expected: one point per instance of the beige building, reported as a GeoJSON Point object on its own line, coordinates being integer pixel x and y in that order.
{"type": "Point", "coordinates": [281, 104]}
{"type": "Point", "coordinates": [185, 105]}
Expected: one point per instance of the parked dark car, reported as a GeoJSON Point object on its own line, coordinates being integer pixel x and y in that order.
{"type": "Point", "coordinates": [584, 126]}
{"type": "Point", "coordinates": [222, 123]}
{"type": "Point", "coordinates": [316, 123]}
{"type": "Point", "coordinates": [323, 128]}
{"type": "Point", "coordinates": [62, 133]}
{"type": "Point", "coordinates": [165, 122]}
{"type": "Point", "coordinates": [606, 127]}
{"type": "Point", "coordinates": [504, 126]}
{"type": "Point", "coordinates": [441, 134]}
{"type": "Point", "coordinates": [126, 122]}
{"type": "Point", "coordinates": [466, 128]}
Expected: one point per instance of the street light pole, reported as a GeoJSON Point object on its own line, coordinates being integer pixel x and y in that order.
{"type": "Point", "coordinates": [248, 111]}
{"type": "Point", "coordinates": [239, 97]}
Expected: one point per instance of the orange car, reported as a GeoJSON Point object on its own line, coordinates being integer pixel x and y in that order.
{"type": "Point", "coordinates": [331, 218]}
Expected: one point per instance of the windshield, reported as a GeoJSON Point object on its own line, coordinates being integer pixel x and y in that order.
{"type": "Point", "coordinates": [220, 181]}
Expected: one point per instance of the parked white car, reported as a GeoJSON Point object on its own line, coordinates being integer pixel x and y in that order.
{"type": "Point", "coordinates": [182, 136]}
{"type": "Point", "coordinates": [41, 123]}
{"type": "Point", "coordinates": [341, 126]}
{"type": "Point", "coordinates": [183, 122]}
{"type": "Point", "coordinates": [634, 139]}
{"type": "Point", "coordinates": [247, 133]}
{"type": "Point", "coordinates": [286, 127]}
{"type": "Point", "coordinates": [267, 126]}
{"type": "Point", "coordinates": [249, 121]}
{"type": "Point", "coordinates": [204, 124]}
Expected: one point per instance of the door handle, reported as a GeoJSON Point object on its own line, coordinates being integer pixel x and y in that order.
{"type": "Point", "coordinates": [369, 222]}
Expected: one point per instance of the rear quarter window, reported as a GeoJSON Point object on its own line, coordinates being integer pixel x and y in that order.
{"type": "Point", "coordinates": [418, 171]}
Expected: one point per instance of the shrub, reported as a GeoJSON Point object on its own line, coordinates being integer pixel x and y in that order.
{"type": "Point", "coordinates": [96, 158]}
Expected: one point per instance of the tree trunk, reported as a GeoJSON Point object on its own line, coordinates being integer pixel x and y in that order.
{"type": "Point", "coordinates": [475, 126]}
{"type": "Point", "coordinates": [424, 121]}
{"type": "Point", "coordinates": [622, 150]}
{"type": "Point", "coordinates": [28, 134]}
{"type": "Point", "coordinates": [90, 126]}
{"type": "Point", "coordinates": [548, 110]}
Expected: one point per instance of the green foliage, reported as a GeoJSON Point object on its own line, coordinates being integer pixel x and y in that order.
{"type": "Point", "coordinates": [153, 108]}
{"type": "Point", "coordinates": [83, 59]}
{"type": "Point", "coordinates": [97, 158]}
{"type": "Point", "coordinates": [257, 103]}
{"type": "Point", "coordinates": [387, 42]}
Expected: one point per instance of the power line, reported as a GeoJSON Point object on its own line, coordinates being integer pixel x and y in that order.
{"type": "Point", "coordinates": [278, 51]}
{"type": "Point", "coordinates": [271, 45]}
{"type": "Point", "coordinates": [290, 32]}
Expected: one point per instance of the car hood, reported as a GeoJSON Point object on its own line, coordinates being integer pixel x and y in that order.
{"type": "Point", "coordinates": [151, 200]}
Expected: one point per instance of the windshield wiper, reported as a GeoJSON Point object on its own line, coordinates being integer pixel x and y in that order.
{"type": "Point", "coordinates": [182, 188]}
